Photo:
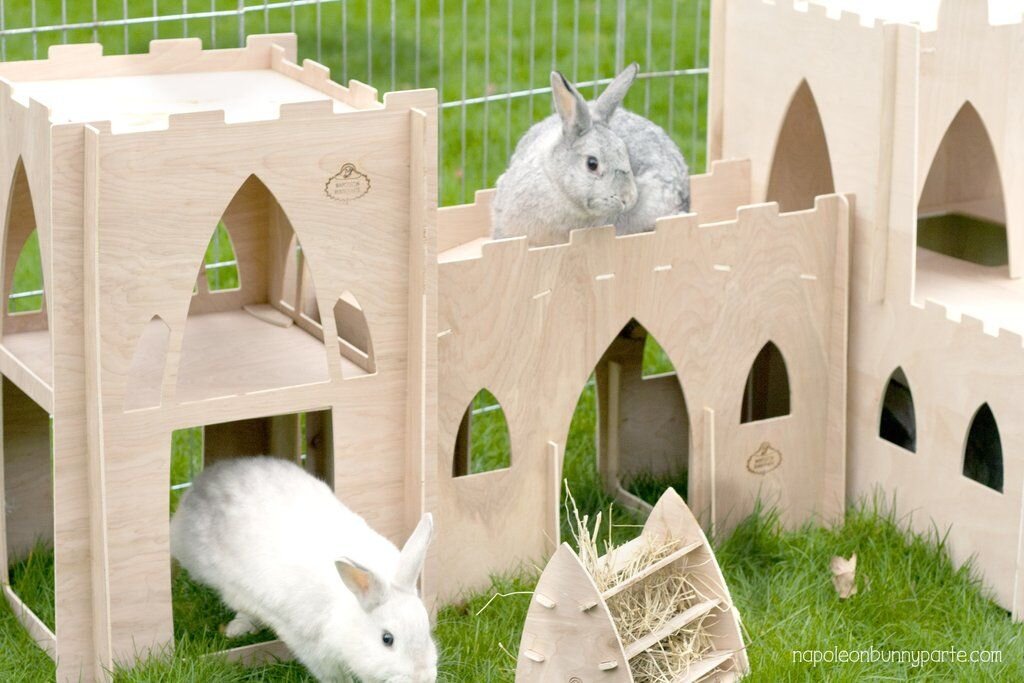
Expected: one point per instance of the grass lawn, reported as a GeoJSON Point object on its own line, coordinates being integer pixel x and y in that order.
{"type": "Point", "coordinates": [910, 597]}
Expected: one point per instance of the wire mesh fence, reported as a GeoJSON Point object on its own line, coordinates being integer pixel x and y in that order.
{"type": "Point", "coordinates": [489, 59]}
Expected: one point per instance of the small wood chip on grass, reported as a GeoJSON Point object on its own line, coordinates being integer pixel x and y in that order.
{"type": "Point", "coordinates": [844, 575]}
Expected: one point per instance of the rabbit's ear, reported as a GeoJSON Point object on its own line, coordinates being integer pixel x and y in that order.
{"type": "Point", "coordinates": [570, 105]}
{"type": "Point", "coordinates": [414, 553]}
{"type": "Point", "coordinates": [612, 97]}
{"type": "Point", "coordinates": [364, 584]}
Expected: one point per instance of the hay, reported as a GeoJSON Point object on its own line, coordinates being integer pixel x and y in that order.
{"type": "Point", "coordinates": [649, 604]}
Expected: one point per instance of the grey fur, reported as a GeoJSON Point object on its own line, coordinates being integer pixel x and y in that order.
{"type": "Point", "coordinates": [548, 191]}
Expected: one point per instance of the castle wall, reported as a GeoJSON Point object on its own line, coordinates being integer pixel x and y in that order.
{"type": "Point", "coordinates": [530, 325]}
{"type": "Point", "coordinates": [886, 95]}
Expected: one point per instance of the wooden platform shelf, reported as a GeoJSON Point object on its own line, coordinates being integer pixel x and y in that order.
{"type": "Point", "coordinates": [234, 353]}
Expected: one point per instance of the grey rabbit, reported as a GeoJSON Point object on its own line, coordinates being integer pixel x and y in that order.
{"type": "Point", "coordinates": [590, 164]}
{"type": "Point", "coordinates": [284, 552]}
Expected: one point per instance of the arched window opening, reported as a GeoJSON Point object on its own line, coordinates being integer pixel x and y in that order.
{"type": "Point", "coordinates": [983, 451]}
{"type": "Point", "coordinates": [23, 265]}
{"type": "Point", "coordinates": [26, 334]}
{"type": "Point", "coordinates": [963, 257]}
{"type": "Point", "coordinates": [247, 328]}
{"type": "Point", "coordinates": [898, 424]}
{"type": "Point", "coordinates": [766, 394]}
{"type": "Point", "coordinates": [483, 443]}
{"type": "Point", "coordinates": [801, 168]}
{"type": "Point", "coordinates": [961, 214]}
{"type": "Point", "coordinates": [629, 438]}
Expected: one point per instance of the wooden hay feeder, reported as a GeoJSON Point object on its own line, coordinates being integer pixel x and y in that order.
{"type": "Point", "coordinates": [573, 627]}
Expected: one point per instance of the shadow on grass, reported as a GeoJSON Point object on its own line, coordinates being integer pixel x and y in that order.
{"type": "Point", "coordinates": [199, 616]}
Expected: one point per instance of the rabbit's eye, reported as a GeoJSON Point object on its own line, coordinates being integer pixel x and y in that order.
{"type": "Point", "coordinates": [592, 163]}
{"type": "Point", "coordinates": [387, 638]}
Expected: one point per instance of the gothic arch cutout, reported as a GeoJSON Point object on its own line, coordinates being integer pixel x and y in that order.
{"type": "Point", "coordinates": [961, 212]}
{"type": "Point", "coordinates": [630, 435]}
{"type": "Point", "coordinates": [983, 450]}
{"type": "Point", "coordinates": [24, 286]}
{"type": "Point", "coordinates": [264, 332]}
{"type": "Point", "coordinates": [801, 166]}
{"type": "Point", "coordinates": [766, 394]}
{"type": "Point", "coordinates": [483, 442]}
{"type": "Point", "coordinates": [898, 422]}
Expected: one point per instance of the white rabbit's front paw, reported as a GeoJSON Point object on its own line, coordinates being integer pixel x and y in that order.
{"type": "Point", "coordinates": [241, 625]}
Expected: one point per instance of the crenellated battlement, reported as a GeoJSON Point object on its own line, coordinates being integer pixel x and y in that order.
{"type": "Point", "coordinates": [197, 88]}
{"type": "Point", "coordinates": [720, 248]}
{"type": "Point", "coordinates": [174, 55]}
{"type": "Point", "coordinates": [946, 13]}
{"type": "Point", "coordinates": [814, 12]}
{"type": "Point", "coordinates": [939, 314]}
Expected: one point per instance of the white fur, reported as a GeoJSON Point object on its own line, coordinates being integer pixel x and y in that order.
{"type": "Point", "coordinates": [268, 537]}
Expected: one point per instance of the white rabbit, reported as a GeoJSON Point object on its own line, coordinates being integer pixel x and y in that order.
{"type": "Point", "coordinates": [284, 552]}
{"type": "Point", "coordinates": [588, 165]}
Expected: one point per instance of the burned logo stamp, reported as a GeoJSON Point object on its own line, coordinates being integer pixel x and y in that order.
{"type": "Point", "coordinates": [348, 184]}
{"type": "Point", "coordinates": [765, 459]}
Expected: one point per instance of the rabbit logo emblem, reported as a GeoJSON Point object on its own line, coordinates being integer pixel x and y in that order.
{"type": "Point", "coordinates": [765, 459]}
{"type": "Point", "coordinates": [348, 184]}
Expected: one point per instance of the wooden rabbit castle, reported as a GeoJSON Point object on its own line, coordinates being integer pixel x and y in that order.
{"type": "Point", "coordinates": [918, 125]}
{"type": "Point", "coordinates": [851, 163]}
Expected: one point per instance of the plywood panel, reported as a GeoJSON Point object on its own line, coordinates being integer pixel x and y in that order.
{"type": "Point", "coordinates": [250, 368]}
{"type": "Point", "coordinates": [911, 90]}
{"type": "Point", "coordinates": [224, 364]}
{"type": "Point", "coordinates": [573, 300]}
